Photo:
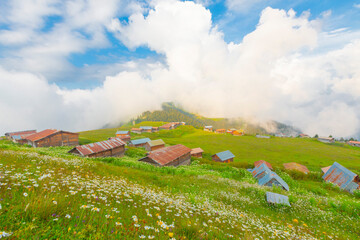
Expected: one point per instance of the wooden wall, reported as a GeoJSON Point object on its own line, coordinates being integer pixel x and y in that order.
{"type": "Point", "coordinates": [197, 155]}
{"type": "Point", "coordinates": [58, 139]}
{"type": "Point", "coordinates": [217, 159]}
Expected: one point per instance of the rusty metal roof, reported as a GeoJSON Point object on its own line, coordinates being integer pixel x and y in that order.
{"type": "Point", "coordinates": [40, 135]}
{"type": "Point", "coordinates": [25, 132]}
{"type": "Point", "coordinates": [325, 169]}
{"type": "Point", "coordinates": [166, 155]}
{"type": "Point", "coordinates": [275, 198]}
{"type": "Point", "coordinates": [157, 142]}
{"type": "Point", "coordinates": [196, 150]}
{"type": "Point", "coordinates": [97, 147]}
{"type": "Point", "coordinates": [296, 166]}
{"type": "Point", "coordinates": [341, 176]}
{"type": "Point", "coordinates": [136, 129]}
{"type": "Point", "coordinates": [258, 163]}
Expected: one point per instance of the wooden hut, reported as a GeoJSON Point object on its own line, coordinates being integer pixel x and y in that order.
{"type": "Point", "coordinates": [296, 166]}
{"type": "Point", "coordinates": [122, 133]}
{"type": "Point", "coordinates": [169, 156]}
{"type": "Point", "coordinates": [53, 138]}
{"type": "Point", "coordinates": [154, 145]}
{"type": "Point", "coordinates": [146, 129]}
{"type": "Point", "coordinates": [221, 130]}
{"type": "Point", "coordinates": [114, 147]}
{"type": "Point", "coordinates": [169, 126]}
{"type": "Point", "coordinates": [136, 130]}
{"type": "Point", "coordinates": [238, 133]}
{"type": "Point", "coordinates": [139, 142]}
{"type": "Point", "coordinates": [343, 177]}
{"type": "Point", "coordinates": [197, 152]}
{"type": "Point", "coordinates": [224, 157]}
{"type": "Point", "coordinates": [208, 128]}
{"type": "Point", "coordinates": [258, 163]}
{"type": "Point", "coordinates": [22, 134]}
{"type": "Point", "coordinates": [303, 135]}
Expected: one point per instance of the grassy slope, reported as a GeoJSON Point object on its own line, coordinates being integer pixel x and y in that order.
{"type": "Point", "coordinates": [249, 149]}
{"type": "Point", "coordinates": [202, 201]}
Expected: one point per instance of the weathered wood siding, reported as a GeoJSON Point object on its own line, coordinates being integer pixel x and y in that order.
{"type": "Point", "coordinates": [197, 155]}
{"type": "Point", "coordinates": [148, 148]}
{"type": "Point", "coordinates": [217, 159]}
{"type": "Point", "coordinates": [57, 139]}
{"type": "Point", "coordinates": [183, 160]}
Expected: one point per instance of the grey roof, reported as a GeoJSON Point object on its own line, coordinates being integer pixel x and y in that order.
{"type": "Point", "coordinates": [140, 141]}
{"type": "Point", "coordinates": [277, 198]}
{"type": "Point", "coordinates": [122, 132]}
{"type": "Point", "coordinates": [146, 127]}
{"type": "Point", "coordinates": [208, 126]}
{"type": "Point", "coordinates": [271, 179]}
{"type": "Point", "coordinates": [225, 155]}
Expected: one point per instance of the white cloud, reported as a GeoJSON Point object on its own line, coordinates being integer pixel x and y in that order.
{"type": "Point", "coordinates": [277, 72]}
{"type": "Point", "coordinates": [357, 5]}
{"type": "Point", "coordinates": [243, 5]}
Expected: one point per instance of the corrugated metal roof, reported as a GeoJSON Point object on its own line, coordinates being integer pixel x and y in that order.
{"type": "Point", "coordinates": [40, 135]}
{"type": "Point", "coordinates": [16, 137]}
{"type": "Point", "coordinates": [166, 155]}
{"type": "Point", "coordinates": [157, 142]}
{"type": "Point", "coordinates": [273, 179]}
{"type": "Point", "coordinates": [196, 150]}
{"type": "Point", "coordinates": [146, 127]}
{"type": "Point", "coordinates": [275, 198]}
{"type": "Point", "coordinates": [258, 163]}
{"type": "Point", "coordinates": [27, 132]}
{"type": "Point", "coordinates": [140, 141]}
{"type": "Point", "coordinates": [296, 166]}
{"type": "Point", "coordinates": [97, 147]}
{"type": "Point", "coordinates": [225, 155]}
{"type": "Point", "coordinates": [260, 171]}
{"type": "Point", "coordinates": [341, 176]}
{"type": "Point", "coordinates": [325, 169]}
{"type": "Point", "coordinates": [122, 132]}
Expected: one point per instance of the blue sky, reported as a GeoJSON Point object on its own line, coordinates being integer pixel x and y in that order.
{"type": "Point", "coordinates": [84, 59]}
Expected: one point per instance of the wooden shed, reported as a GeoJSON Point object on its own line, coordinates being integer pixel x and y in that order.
{"type": "Point", "coordinates": [139, 142]}
{"type": "Point", "coordinates": [154, 145]}
{"type": "Point", "coordinates": [208, 128]}
{"type": "Point", "coordinates": [197, 152]}
{"type": "Point", "coordinates": [122, 133]}
{"type": "Point", "coordinates": [114, 147]}
{"type": "Point", "coordinates": [296, 166]}
{"type": "Point", "coordinates": [169, 126]}
{"type": "Point", "coordinates": [224, 157]}
{"type": "Point", "coordinates": [53, 138]}
{"type": "Point", "coordinates": [136, 130]}
{"type": "Point", "coordinates": [238, 133]}
{"type": "Point", "coordinates": [221, 130]}
{"type": "Point", "coordinates": [343, 177]}
{"type": "Point", "coordinates": [146, 129]}
{"type": "Point", "coordinates": [22, 134]}
{"type": "Point", "coordinates": [169, 156]}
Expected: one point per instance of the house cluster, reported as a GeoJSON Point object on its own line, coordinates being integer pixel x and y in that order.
{"type": "Point", "coordinates": [45, 138]}
{"type": "Point", "coordinates": [232, 131]}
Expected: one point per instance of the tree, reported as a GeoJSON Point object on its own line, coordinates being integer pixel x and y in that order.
{"type": "Point", "coordinates": [316, 136]}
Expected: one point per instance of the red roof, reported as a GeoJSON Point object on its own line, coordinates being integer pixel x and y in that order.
{"type": "Point", "coordinates": [40, 135]}
{"type": "Point", "coordinates": [21, 133]}
{"type": "Point", "coordinates": [99, 146]}
{"type": "Point", "coordinates": [196, 151]}
{"type": "Point", "coordinates": [353, 142]}
{"type": "Point", "coordinates": [258, 163]}
{"type": "Point", "coordinates": [166, 155]}
{"type": "Point", "coordinates": [296, 166]}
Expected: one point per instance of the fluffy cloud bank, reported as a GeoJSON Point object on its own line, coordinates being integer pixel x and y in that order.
{"type": "Point", "coordinates": [277, 72]}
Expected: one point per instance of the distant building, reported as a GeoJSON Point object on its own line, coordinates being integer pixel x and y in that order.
{"type": "Point", "coordinates": [155, 129]}
{"type": "Point", "coordinates": [296, 166]}
{"type": "Point", "coordinates": [354, 143]}
{"type": "Point", "coordinates": [238, 133]}
{"type": "Point", "coordinates": [154, 145]}
{"type": "Point", "coordinates": [169, 156]}
{"type": "Point", "coordinates": [182, 123]}
{"type": "Point", "coordinates": [342, 177]}
{"type": "Point", "coordinates": [21, 134]}
{"type": "Point", "coordinates": [169, 126]}
{"type": "Point", "coordinates": [266, 177]}
{"type": "Point", "coordinates": [302, 135]}
{"type": "Point", "coordinates": [224, 157]}
{"type": "Point", "coordinates": [139, 142]}
{"type": "Point", "coordinates": [136, 130]}
{"type": "Point", "coordinates": [146, 129]}
{"type": "Point", "coordinates": [53, 138]}
{"type": "Point", "coordinates": [197, 152]}
{"type": "Point", "coordinates": [274, 198]}
{"type": "Point", "coordinates": [326, 139]}
{"type": "Point", "coordinates": [208, 128]}
{"type": "Point", "coordinates": [114, 147]}
{"type": "Point", "coordinates": [258, 163]}
{"type": "Point", "coordinates": [221, 130]}
{"type": "Point", "coordinates": [262, 136]}
{"type": "Point", "coordinates": [122, 133]}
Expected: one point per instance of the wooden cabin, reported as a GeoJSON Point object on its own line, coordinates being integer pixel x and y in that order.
{"type": "Point", "coordinates": [22, 134]}
{"type": "Point", "coordinates": [197, 152]}
{"type": "Point", "coordinates": [296, 166]}
{"type": "Point", "coordinates": [169, 156]}
{"type": "Point", "coordinates": [136, 130]}
{"type": "Point", "coordinates": [221, 130]}
{"type": "Point", "coordinates": [146, 129]}
{"type": "Point", "coordinates": [208, 128]}
{"type": "Point", "coordinates": [168, 126]}
{"type": "Point", "coordinates": [122, 133]}
{"type": "Point", "coordinates": [154, 145]}
{"type": "Point", "coordinates": [139, 142]}
{"type": "Point", "coordinates": [238, 133]}
{"type": "Point", "coordinates": [53, 138]}
{"type": "Point", "coordinates": [114, 147]}
{"type": "Point", "coordinates": [224, 157]}
{"type": "Point", "coordinates": [302, 135]}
